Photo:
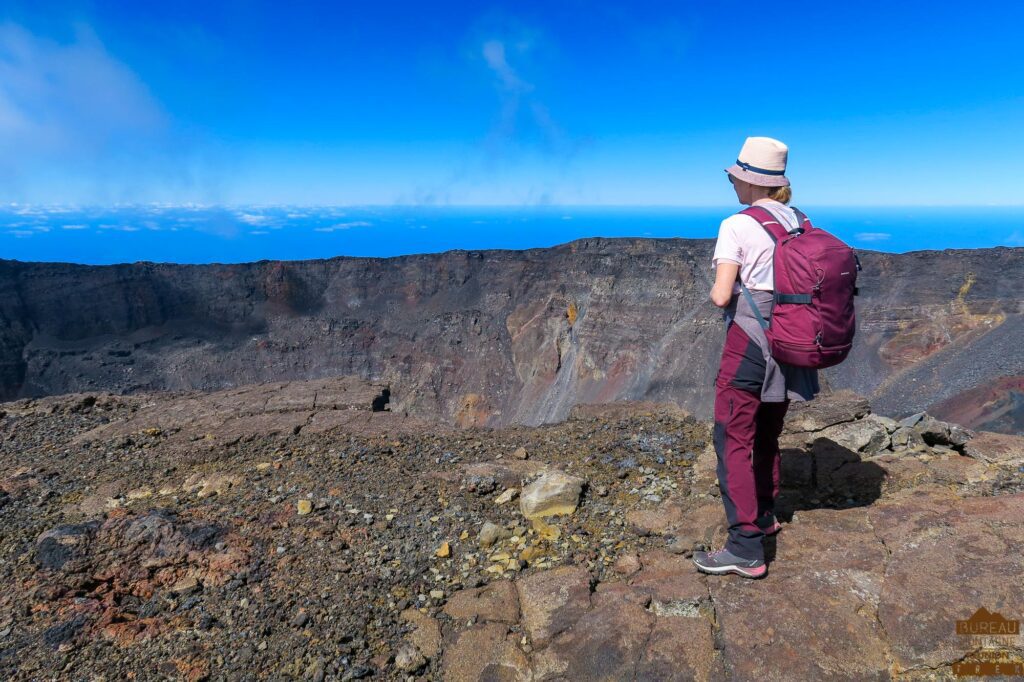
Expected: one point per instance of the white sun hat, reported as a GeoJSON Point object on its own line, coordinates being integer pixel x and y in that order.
{"type": "Point", "coordinates": [762, 161]}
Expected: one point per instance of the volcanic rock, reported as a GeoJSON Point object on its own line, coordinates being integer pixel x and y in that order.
{"type": "Point", "coordinates": [426, 635]}
{"type": "Point", "coordinates": [554, 493]}
{"type": "Point", "coordinates": [816, 415]}
{"type": "Point", "coordinates": [552, 601]}
{"type": "Point", "coordinates": [485, 652]}
{"type": "Point", "coordinates": [489, 534]}
{"type": "Point", "coordinates": [497, 602]}
{"type": "Point", "coordinates": [895, 546]}
{"type": "Point", "coordinates": [996, 447]}
{"type": "Point", "coordinates": [484, 338]}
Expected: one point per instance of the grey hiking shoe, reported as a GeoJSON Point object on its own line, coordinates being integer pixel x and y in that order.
{"type": "Point", "coordinates": [723, 561]}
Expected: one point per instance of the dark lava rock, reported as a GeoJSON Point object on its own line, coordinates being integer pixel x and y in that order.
{"type": "Point", "coordinates": [58, 546]}
{"type": "Point", "coordinates": [64, 632]}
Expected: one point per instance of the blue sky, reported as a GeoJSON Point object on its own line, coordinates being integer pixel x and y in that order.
{"type": "Point", "coordinates": [575, 103]}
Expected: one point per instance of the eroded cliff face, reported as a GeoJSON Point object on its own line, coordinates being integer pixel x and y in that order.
{"type": "Point", "coordinates": [498, 337]}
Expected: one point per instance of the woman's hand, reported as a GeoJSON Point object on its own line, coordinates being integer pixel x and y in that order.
{"type": "Point", "coordinates": [725, 276]}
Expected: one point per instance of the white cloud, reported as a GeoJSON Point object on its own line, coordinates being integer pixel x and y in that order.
{"type": "Point", "coordinates": [343, 226]}
{"type": "Point", "coordinates": [494, 55]}
{"type": "Point", "coordinates": [520, 109]}
{"type": "Point", "coordinates": [254, 219]}
{"type": "Point", "coordinates": [68, 99]}
{"type": "Point", "coordinates": [74, 227]}
{"type": "Point", "coordinates": [78, 124]}
{"type": "Point", "coordinates": [872, 236]}
{"type": "Point", "coordinates": [523, 131]}
{"type": "Point", "coordinates": [119, 228]}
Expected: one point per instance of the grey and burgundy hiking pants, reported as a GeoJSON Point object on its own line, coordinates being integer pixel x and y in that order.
{"type": "Point", "coordinates": [746, 437]}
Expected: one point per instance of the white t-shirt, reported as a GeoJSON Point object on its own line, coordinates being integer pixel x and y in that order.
{"type": "Point", "coordinates": [741, 239]}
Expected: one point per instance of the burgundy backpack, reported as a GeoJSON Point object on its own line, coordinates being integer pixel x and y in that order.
{"type": "Point", "coordinates": [812, 319]}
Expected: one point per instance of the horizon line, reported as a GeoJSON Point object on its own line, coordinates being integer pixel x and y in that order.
{"type": "Point", "coordinates": [456, 250]}
{"type": "Point", "coordinates": [234, 206]}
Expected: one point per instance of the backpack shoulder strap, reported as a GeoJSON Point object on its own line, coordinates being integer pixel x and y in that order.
{"type": "Point", "coordinates": [803, 220]}
{"type": "Point", "coordinates": [768, 222]}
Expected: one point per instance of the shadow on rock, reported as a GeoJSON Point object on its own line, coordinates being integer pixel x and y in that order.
{"type": "Point", "coordinates": [826, 475]}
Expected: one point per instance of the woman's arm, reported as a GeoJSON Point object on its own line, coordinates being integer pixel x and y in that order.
{"type": "Point", "coordinates": [725, 276]}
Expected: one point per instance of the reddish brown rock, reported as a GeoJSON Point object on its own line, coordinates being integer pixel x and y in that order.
{"type": "Point", "coordinates": [669, 579]}
{"type": "Point", "coordinates": [948, 558]}
{"type": "Point", "coordinates": [605, 643]}
{"type": "Point", "coordinates": [97, 570]}
{"type": "Point", "coordinates": [954, 470]}
{"type": "Point", "coordinates": [426, 633]}
{"type": "Point", "coordinates": [681, 648]}
{"type": "Point", "coordinates": [497, 602]}
{"type": "Point", "coordinates": [623, 592]}
{"type": "Point", "coordinates": [627, 564]}
{"type": "Point", "coordinates": [702, 523]}
{"type": "Point", "coordinates": [806, 627]}
{"type": "Point", "coordinates": [552, 601]}
{"type": "Point", "coordinates": [995, 447]}
{"type": "Point", "coordinates": [839, 541]}
{"type": "Point", "coordinates": [812, 617]}
{"type": "Point", "coordinates": [485, 652]}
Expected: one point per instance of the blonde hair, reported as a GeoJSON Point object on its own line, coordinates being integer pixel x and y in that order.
{"type": "Point", "coordinates": [783, 195]}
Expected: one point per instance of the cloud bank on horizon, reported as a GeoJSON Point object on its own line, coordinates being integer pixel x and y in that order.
{"type": "Point", "coordinates": [534, 103]}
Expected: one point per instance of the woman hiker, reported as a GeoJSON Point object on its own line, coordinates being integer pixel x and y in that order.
{"type": "Point", "coordinates": [752, 390]}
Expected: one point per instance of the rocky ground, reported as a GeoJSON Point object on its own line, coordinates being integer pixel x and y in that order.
{"type": "Point", "coordinates": [302, 530]}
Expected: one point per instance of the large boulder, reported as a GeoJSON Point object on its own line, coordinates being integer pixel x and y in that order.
{"type": "Point", "coordinates": [552, 494]}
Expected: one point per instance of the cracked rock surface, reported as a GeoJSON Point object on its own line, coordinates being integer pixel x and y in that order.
{"type": "Point", "coordinates": [301, 530]}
